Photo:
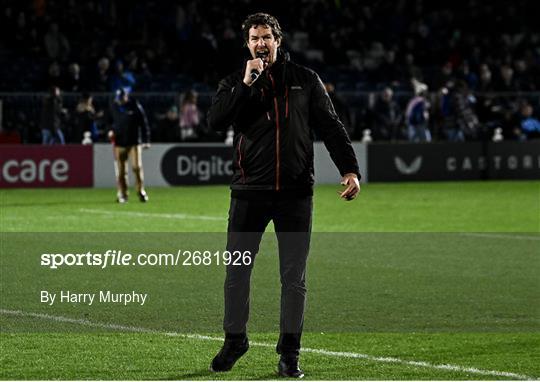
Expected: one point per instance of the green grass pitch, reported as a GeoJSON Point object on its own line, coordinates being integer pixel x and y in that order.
{"type": "Point", "coordinates": [410, 281]}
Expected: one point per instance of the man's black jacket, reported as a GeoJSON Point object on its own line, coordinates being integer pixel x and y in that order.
{"type": "Point", "coordinates": [274, 122]}
{"type": "Point", "coordinates": [129, 123]}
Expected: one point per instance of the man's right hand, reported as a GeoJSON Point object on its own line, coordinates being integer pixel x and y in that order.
{"type": "Point", "coordinates": [256, 64]}
{"type": "Point", "coordinates": [353, 186]}
{"type": "Point", "coordinates": [110, 135]}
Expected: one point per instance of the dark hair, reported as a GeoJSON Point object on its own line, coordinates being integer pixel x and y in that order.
{"type": "Point", "coordinates": [189, 97]}
{"type": "Point", "coordinates": [261, 19]}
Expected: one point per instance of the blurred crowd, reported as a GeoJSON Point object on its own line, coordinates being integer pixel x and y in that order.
{"type": "Point", "coordinates": [59, 118]}
{"type": "Point", "coordinates": [434, 70]}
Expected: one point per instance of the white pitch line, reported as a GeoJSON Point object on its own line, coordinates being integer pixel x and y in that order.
{"type": "Point", "coordinates": [497, 236]}
{"type": "Point", "coordinates": [151, 215]}
{"type": "Point", "coordinates": [328, 353]}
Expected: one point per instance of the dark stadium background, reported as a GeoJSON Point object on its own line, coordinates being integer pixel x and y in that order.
{"type": "Point", "coordinates": [169, 47]}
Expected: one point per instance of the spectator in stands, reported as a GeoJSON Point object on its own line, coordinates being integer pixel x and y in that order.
{"type": "Point", "coordinates": [52, 114]}
{"type": "Point", "coordinates": [129, 133]}
{"type": "Point", "coordinates": [529, 127]}
{"type": "Point", "coordinates": [72, 82]}
{"type": "Point", "coordinates": [56, 44]}
{"type": "Point", "coordinates": [122, 78]}
{"type": "Point", "coordinates": [189, 117]}
{"type": "Point", "coordinates": [462, 122]}
{"type": "Point", "coordinates": [509, 121]}
{"type": "Point", "coordinates": [144, 77]}
{"type": "Point", "coordinates": [506, 82]}
{"type": "Point", "coordinates": [486, 79]}
{"type": "Point", "coordinates": [341, 107]}
{"type": "Point", "coordinates": [417, 114]}
{"type": "Point", "coordinates": [445, 75]}
{"type": "Point", "coordinates": [54, 76]}
{"type": "Point", "coordinates": [85, 119]}
{"type": "Point", "coordinates": [412, 70]}
{"type": "Point", "coordinates": [524, 78]}
{"type": "Point", "coordinates": [168, 125]}
{"type": "Point", "coordinates": [102, 80]}
{"type": "Point", "coordinates": [464, 73]}
{"type": "Point", "coordinates": [488, 106]}
{"type": "Point", "coordinates": [386, 117]}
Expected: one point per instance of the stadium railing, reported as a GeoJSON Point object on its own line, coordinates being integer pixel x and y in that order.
{"type": "Point", "coordinates": [21, 112]}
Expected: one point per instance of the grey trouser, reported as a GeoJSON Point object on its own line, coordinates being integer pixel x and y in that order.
{"type": "Point", "coordinates": [247, 221]}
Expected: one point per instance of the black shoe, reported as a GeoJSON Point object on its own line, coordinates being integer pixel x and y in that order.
{"type": "Point", "coordinates": [122, 199]}
{"type": "Point", "coordinates": [228, 355]}
{"type": "Point", "coordinates": [288, 367]}
{"type": "Point", "coordinates": [143, 196]}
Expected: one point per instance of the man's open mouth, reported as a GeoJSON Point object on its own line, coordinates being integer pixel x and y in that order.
{"type": "Point", "coordinates": [262, 54]}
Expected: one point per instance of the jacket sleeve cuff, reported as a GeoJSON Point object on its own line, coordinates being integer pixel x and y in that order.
{"type": "Point", "coordinates": [352, 171]}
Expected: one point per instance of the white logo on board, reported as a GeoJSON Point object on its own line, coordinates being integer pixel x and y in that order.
{"type": "Point", "coordinates": [405, 169]}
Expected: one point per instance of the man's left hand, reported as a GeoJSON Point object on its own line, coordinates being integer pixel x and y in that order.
{"type": "Point", "coordinates": [353, 186]}
{"type": "Point", "coordinates": [146, 146]}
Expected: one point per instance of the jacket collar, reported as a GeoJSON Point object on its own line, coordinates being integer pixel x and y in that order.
{"type": "Point", "coordinates": [282, 58]}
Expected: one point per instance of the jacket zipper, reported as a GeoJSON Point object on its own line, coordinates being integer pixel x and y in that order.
{"type": "Point", "coordinates": [263, 96]}
{"type": "Point", "coordinates": [240, 159]}
{"type": "Point", "coordinates": [276, 110]}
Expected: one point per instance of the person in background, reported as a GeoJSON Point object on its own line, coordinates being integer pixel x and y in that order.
{"type": "Point", "coordinates": [54, 76]}
{"type": "Point", "coordinates": [102, 78]}
{"type": "Point", "coordinates": [167, 126]}
{"type": "Point", "coordinates": [529, 126]}
{"type": "Point", "coordinates": [506, 82]}
{"type": "Point", "coordinates": [57, 45]}
{"type": "Point", "coordinates": [73, 82]}
{"type": "Point", "coordinates": [52, 114]}
{"type": "Point", "coordinates": [342, 110]}
{"type": "Point", "coordinates": [386, 117]}
{"type": "Point", "coordinates": [130, 133]}
{"type": "Point", "coordinates": [85, 119]}
{"type": "Point", "coordinates": [417, 114]}
{"type": "Point", "coordinates": [189, 117]}
{"type": "Point", "coordinates": [122, 78]}
{"type": "Point", "coordinates": [485, 82]}
{"type": "Point", "coordinates": [463, 122]}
